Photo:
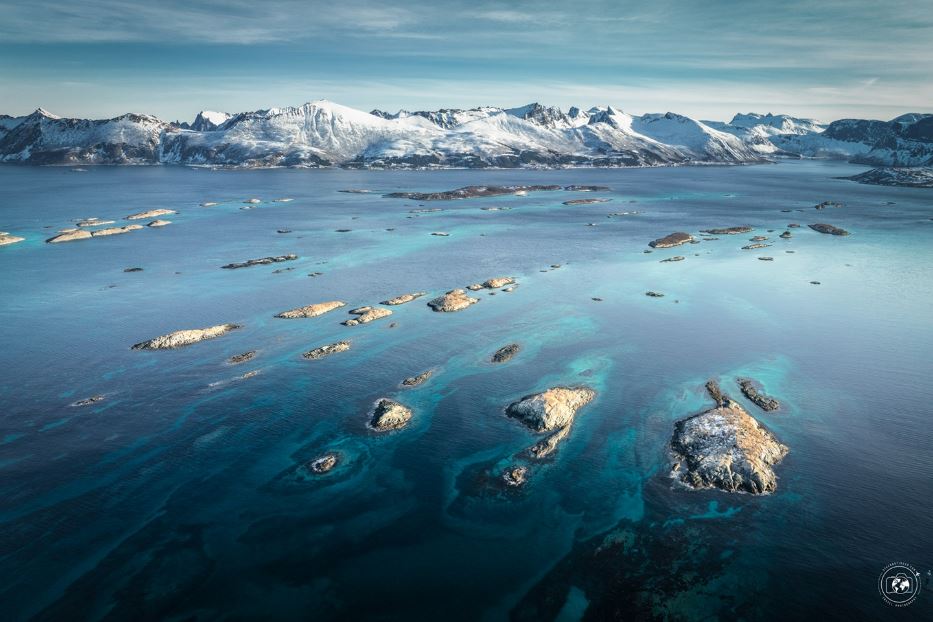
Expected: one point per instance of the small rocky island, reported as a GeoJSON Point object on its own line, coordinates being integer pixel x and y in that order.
{"type": "Point", "coordinates": [551, 409]}
{"type": "Point", "coordinates": [515, 476]}
{"type": "Point", "coordinates": [181, 338]}
{"type": "Point", "coordinates": [728, 230]}
{"type": "Point", "coordinates": [324, 463]}
{"type": "Point", "coordinates": [725, 448]}
{"type": "Point", "coordinates": [762, 401]}
{"type": "Point", "coordinates": [327, 350]}
{"type": "Point", "coordinates": [7, 238]}
{"type": "Point", "coordinates": [454, 300]}
{"type": "Point", "coordinates": [505, 353]}
{"type": "Point", "coordinates": [469, 192]}
{"type": "Point", "coordinates": [672, 240]}
{"type": "Point", "coordinates": [389, 415]}
{"type": "Point", "coordinates": [586, 201]}
{"type": "Point", "coordinates": [414, 381]}
{"type": "Point", "coordinates": [365, 315]}
{"type": "Point", "coordinates": [312, 310]}
{"type": "Point", "coordinates": [494, 283]}
{"type": "Point", "coordinates": [260, 262]}
{"type": "Point", "coordinates": [585, 188]}
{"type": "Point", "coordinates": [404, 298]}
{"type": "Point", "coordinates": [236, 359]}
{"type": "Point", "coordinates": [153, 213]}
{"type": "Point", "coordinates": [828, 229]}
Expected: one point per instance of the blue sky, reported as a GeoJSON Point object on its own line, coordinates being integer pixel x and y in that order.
{"type": "Point", "coordinates": [827, 59]}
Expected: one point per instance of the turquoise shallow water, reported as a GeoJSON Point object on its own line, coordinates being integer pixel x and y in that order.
{"type": "Point", "coordinates": [180, 495]}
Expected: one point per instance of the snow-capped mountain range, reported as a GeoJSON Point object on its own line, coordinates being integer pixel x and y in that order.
{"type": "Point", "coordinates": [322, 133]}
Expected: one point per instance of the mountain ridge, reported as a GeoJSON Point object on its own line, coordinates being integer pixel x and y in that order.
{"type": "Point", "coordinates": [321, 133]}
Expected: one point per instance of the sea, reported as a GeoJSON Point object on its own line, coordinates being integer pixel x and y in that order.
{"type": "Point", "coordinates": [184, 494]}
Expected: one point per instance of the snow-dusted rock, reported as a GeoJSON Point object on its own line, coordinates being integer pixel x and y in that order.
{"type": "Point", "coordinates": [725, 448]}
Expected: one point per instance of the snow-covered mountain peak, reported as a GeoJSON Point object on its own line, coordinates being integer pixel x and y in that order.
{"type": "Point", "coordinates": [208, 120]}
{"type": "Point", "coordinates": [547, 116]}
{"type": "Point", "coordinates": [776, 123]}
{"type": "Point", "coordinates": [324, 133]}
{"type": "Point", "coordinates": [43, 113]}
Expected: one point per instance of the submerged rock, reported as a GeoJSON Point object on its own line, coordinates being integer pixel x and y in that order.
{"type": "Point", "coordinates": [654, 294]}
{"type": "Point", "coordinates": [441, 234]}
{"type": "Point", "coordinates": [181, 338]}
{"type": "Point", "coordinates": [585, 201]}
{"type": "Point", "coordinates": [766, 259]}
{"type": "Point", "coordinates": [153, 213]}
{"type": "Point", "coordinates": [515, 476]}
{"type": "Point", "coordinates": [793, 225]}
{"type": "Point", "coordinates": [324, 463]}
{"type": "Point", "coordinates": [389, 415]}
{"type": "Point", "coordinates": [400, 300]}
{"type": "Point", "coordinates": [786, 235]}
{"type": "Point", "coordinates": [94, 399]}
{"type": "Point", "coordinates": [454, 300]}
{"type": "Point", "coordinates": [312, 310]}
{"type": "Point", "coordinates": [242, 358]}
{"type": "Point", "coordinates": [674, 258]}
{"type": "Point", "coordinates": [469, 192]}
{"type": "Point", "coordinates": [761, 400]}
{"type": "Point", "coordinates": [365, 315]}
{"type": "Point", "coordinates": [585, 188]}
{"type": "Point", "coordinates": [550, 409]}
{"type": "Point", "coordinates": [322, 351]}
{"type": "Point", "coordinates": [260, 261]}
{"type": "Point", "coordinates": [669, 241]}
{"type": "Point", "coordinates": [252, 201]}
{"type": "Point", "coordinates": [414, 381]}
{"type": "Point", "coordinates": [132, 269]}
{"type": "Point", "coordinates": [728, 230]}
{"type": "Point", "coordinates": [826, 204]}
{"type": "Point", "coordinates": [725, 448]}
{"type": "Point", "coordinates": [828, 229]}
{"type": "Point", "coordinates": [505, 353]}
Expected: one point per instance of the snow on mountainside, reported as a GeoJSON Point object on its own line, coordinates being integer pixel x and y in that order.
{"type": "Point", "coordinates": [322, 133]}
{"type": "Point", "coordinates": [904, 141]}
{"type": "Point", "coordinates": [757, 130]}
{"type": "Point", "coordinates": [43, 138]}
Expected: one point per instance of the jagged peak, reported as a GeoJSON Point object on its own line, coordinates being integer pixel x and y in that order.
{"type": "Point", "coordinates": [42, 112]}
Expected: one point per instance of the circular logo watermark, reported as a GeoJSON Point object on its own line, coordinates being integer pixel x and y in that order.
{"type": "Point", "coordinates": [899, 584]}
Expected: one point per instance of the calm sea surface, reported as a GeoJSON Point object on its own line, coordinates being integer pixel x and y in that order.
{"type": "Point", "coordinates": [182, 495]}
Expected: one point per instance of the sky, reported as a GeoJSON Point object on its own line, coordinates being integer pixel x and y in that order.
{"type": "Point", "coordinates": [824, 59]}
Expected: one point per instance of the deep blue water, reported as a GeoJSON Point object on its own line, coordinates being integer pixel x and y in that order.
{"type": "Point", "coordinates": [179, 496]}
